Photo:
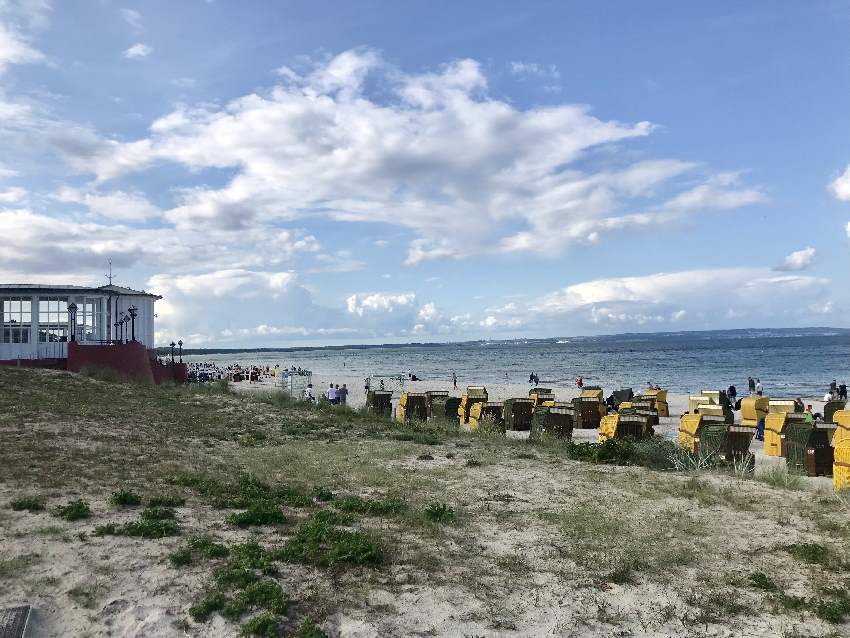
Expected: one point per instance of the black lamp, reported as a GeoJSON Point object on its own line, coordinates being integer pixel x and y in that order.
{"type": "Point", "coordinates": [72, 312]}
{"type": "Point", "coordinates": [180, 343]}
{"type": "Point", "coordinates": [172, 351]}
{"type": "Point", "coordinates": [133, 312]}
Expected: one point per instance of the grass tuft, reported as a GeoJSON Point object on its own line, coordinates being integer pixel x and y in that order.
{"type": "Point", "coordinates": [318, 542]}
{"type": "Point", "coordinates": [439, 513]}
{"type": "Point", "coordinates": [264, 625]}
{"type": "Point", "coordinates": [125, 498]}
{"type": "Point", "coordinates": [28, 504]}
{"type": "Point", "coordinates": [258, 513]}
{"type": "Point", "coordinates": [73, 511]}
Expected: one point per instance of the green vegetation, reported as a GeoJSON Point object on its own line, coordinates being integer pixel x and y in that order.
{"type": "Point", "coordinates": [319, 542]}
{"type": "Point", "coordinates": [73, 511]}
{"type": "Point", "coordinates": [143, 528]}
{"type": "Point", "coordinates": [28, 504]}
{"type": "Point", "coordinates": [439, 513]}
{"type": "Point", "coordinates": [258, 513]}
{"type": "Point", "coordinates": [166, 501]}
{"type": "Point", "coordinates": [125, 498]}
{"type": "Point", "coordinates": [809, 552]}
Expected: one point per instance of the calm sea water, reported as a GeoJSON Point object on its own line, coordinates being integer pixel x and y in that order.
{"type": "Point", "coordinates": [787, 363]}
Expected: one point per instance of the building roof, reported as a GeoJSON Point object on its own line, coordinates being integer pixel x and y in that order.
{"type": "Point", "coordinates": [110, 289]}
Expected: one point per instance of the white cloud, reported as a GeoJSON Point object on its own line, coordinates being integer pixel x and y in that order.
{"type": "Point", "coordinates": [138, 51]}
{"type": "Point", "coordinates": [12, 195]}
{"type": "Point", "coordinates": [15, 50]}
{"type": "Point", "coordinates": [840, 186]}
{"type": "Point", "coordinates": [435, 154]}
{"type": "Point", "coordinates": [133, 18]}
{"type": "Point", "coordinates": [115, 205]}
{"type": "Point", "coordinates": [361, 304]}
{"type": "Point", "coordinates": [532, 68]}
{"type": "Point", "coordinates": [798, 260]}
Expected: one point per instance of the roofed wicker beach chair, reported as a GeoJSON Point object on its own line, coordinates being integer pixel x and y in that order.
{"type": "Point", "coordinates": [552, 421]}
{"type": "Point", "coordinates": [620, 426]}
{"type": "Point", "coordinates": [780, 415]}
{"type": "Point", "coordinates": [830, 408]}
{"type": "Point", "coordinates": [412, 406]}
{"type": "Point", "coordinates": [518, 414]}
{"type": "Point", "coordinates": [486, 410]}
{"type": "Point", "coordinates": [539, 395]}
{"type": "Point", "coordinates": [753, 409]}
{"type": "Point", "coordinates": [589, 407]}
{"type": "Point", "coordinates": [660, 398]}
{"type": "Point", "coordinates": [692, 428]}
{"type": "Point", "coordinates": [440, 396]}
{"type": "Point", "coordinates": [474, 394]}
{"type": "Point", "coordinates": [380, 402]}
{"type": "Point", "coordinates": [807, 449]}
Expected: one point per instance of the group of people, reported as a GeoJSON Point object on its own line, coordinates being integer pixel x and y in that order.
{"type": "Point", "coordinates": [335, 395]}
{"type": "Point", "coordinates": [836, 391]}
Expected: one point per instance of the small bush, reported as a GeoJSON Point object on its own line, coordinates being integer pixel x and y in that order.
{"type": "Point", "coordinates": [473, 462]}
{"type": "Point", "coordinates": [387, 506]}
{"type": "Point", "coordinates": [439, 513]}
{"type": "Point", "coordinates": [166, 501]}
{"type": "Point", "coordinates": [251, 555]}
{"type": "Point", "coordinates": [809, 552]}
{"type": "Point", "coordinates": [205, 607]}
{"type": "Point", "coordinates": [779, 476]}
{"type": "Point", "coordinates": [322, 494]}
{"type": "Point", "coordinates": [181, 557]}
{"type": "Point", "coordinates": [207, 547]}
{"type": "Point", "coordinates": [317, 542]}
{"type": "Point", "coordinates": [309, 629]}
{"type": "Point", "coordinates": [760, 580]}
{"type": "Point", "coordinates": [234, 577]}
{"type": "Point", "coordinates": [159, 514]}
{"type": "Point", "coordinates": [28, 503]}
{"type": "Point", "coordinates": [73, 511]}
{"type": "Point", "coordinates": [125, 498]}
{"type": "Point", "coordinates": [258, 513]}
{"type": "Point", "coordinates": [266, 594]}
{"type": "Point", "coordinates": [264, 625]}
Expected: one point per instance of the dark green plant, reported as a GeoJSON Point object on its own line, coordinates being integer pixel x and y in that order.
{"type": "Point", "coordinates": [322, 494]}
{"type": "Point", "coordinates": [125, 498]}
{"type": "Point", "coordinates": [207, 547]}
{"type": "Point", "coordinates": [73, 511]}
{"type": "Point", "coordinates": [159, 514]}
{"type": "Point", "coordinates": [809, 552]}
{"type": "Point", "coordinates": [316, 542]}
{"type": "Point", "coordinates": [28, 503]}
{"type": "Point", "coordinates": [166, 501]}
{"type": "Point", "coordinates": [439, 513]}
{"type": "Point", "coordinates": [264, 625]}
{"type": "Point", "coordinates": [234, 577]}
{"type": "Point", "coordinates": [205, 607]}
{"type": "Point", "coordinates": [384, 507]}
{"type": "Point", "coordinates": [760, 580]}
{"type": "Point", "coordinates": [309, 629]}
{"type": "Point", "coordinates": [181, 557]}
{"type": "Point", "coordinates": [473, 462]}
{"type": "Point", "coordinates": [266, 594]}
{"type": "Point", "coordinates": [250, 555]}
{"type": "Point", "coordinates": [258, 513]}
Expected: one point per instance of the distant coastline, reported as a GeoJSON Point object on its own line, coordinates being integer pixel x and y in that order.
{"type": "Point", "coordinates": [737, 333]}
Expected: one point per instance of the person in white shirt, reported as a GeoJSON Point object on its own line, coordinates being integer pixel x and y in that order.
{"type": "Point", "coordinates": [827, 397]}
{"type": "Point", "coordinates": [759, 387]}
{"type": "Point", "coordinates": [331, 394]}
{"type": "Point", "coordinates": [308, 393]}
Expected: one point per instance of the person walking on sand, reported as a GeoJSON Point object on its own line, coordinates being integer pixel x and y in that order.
{"type": "Point", "coordinates": [531, 378]}
{"type": "Point", "coordinates": [454, 379]}
{"type": "Point", "coordinates": [751, 385]}
{"type": "Point", "coordinates": [331, 395]}
{"type": "Point", "coordinates": [759, 387]}
{"type": "Point", "coordinates": [342, 395]}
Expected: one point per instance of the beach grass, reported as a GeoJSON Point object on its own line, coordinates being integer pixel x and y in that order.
{"type": "Point", "coordinates": [278, 516]}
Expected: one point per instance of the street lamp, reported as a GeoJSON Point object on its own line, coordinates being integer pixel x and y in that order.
{"type": "Point", "coordinates": [122, 321]}
{"type": "Point", "coordinates": [180, 343]}
{"type": "Point", "coordinates": [72, 312]}
{"type": "Point", "coordinates": [133, 312]}
{"type": "Point", "coordinates": [116, 324]}
{"type": "Point", "coordinates": [172, 352]}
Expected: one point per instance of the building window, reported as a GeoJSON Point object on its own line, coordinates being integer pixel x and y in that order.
{"type": "Point", "coordinates": [88, 319]}
{"type": "Point", "coordinates": [16, 319]}
{"type": "Point", "coordinates": [52, 319]}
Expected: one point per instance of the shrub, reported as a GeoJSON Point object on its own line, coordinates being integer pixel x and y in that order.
{"type": "Point", "coordinates": [207, 547]}
{"type": "Point", "coordinates": [28, 503]}
{"type": "Point", "coordinates": [73, 511]}
{"type": "Point", "coordinates": [234, 577]}
{"type": "Point", "coordinates": [250, 555]}
{"type": "Point", "coordinates": [779, 476]}
{"type": "Point", "coordinates": [204, 608]}
{"type": "Point", "coordinates": [387, 506]}
{"type": "Point", "coordinates": [439, 513]}
{"type": "Point", "coordinates": [125, 498]}
{"type": "Point", "coordinates": [809, 552]}
{"type": "Point", "coordinates": [262, 625]}
{"type": "Point", "coordinates": [317, 542]}
{"type": "Point", "coordinates": [309, 629]}
{"type": "Point", "coordinates": [166, 501]}
{"type": "Point", "coordinates": [266, 594]}
{"type": "Point", "coordinates": [181, 557]}
{"type": "Point", "coordinates": [159, 514]}
{"type": "Point", "coordinates": [760, 580]}
{"type": "Point", "coordinates": [322, 494]}
{"type": "Point", "coordinates": [258, 513]}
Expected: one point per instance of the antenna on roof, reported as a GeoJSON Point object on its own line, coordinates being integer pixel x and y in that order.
{"type": "Point", "coordinates": [109, 276]}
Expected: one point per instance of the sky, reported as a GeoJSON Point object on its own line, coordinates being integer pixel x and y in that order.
{"type": "Point", "coordinates": [288, 173]}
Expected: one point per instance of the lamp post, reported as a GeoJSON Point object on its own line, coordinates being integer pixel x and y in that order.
{"type": "Point", "coordinates": [172, 352]}
{"type": "Point", "coordinates": [116, 324]}
{"type": "Point", "coordinates": [133, 312]}
{"type": "Point", "coordinates": [72, 312]}
{"type": "Point", "coordinates": [122, 321]}
{"type": "Point", "coordinates": [180, 343]}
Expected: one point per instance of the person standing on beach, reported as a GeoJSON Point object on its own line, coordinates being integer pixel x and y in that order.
{"type": "Point", "coordinates": [751, 385]}
{"type": "Point", "coordinates": [331, 394]}
{"type": "Point", "coordinates": [842, 391]}
{"type": "Point", "coordinates": [342, 394]}
{"type": "Point", "coordinates": [759, 387]}
{"type": "Point", "coordinates": [454, 379]}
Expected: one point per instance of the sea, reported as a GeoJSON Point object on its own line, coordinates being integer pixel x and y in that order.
{"type": "Point", "coordinates": [798, 362]}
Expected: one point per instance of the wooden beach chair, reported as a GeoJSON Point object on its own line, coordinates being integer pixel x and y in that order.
{"type": "Point", "coordinates": [474, 394]}
{"type": "Point", "coordinates": [412, 405]}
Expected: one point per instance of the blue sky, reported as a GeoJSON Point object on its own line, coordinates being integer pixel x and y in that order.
{"type": "Point", "coordinates": [307, 172]}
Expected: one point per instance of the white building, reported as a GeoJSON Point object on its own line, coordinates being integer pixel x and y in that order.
{"type": "Point", "coordinates": [35, 322]}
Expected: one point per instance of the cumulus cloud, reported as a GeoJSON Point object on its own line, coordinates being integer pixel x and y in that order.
{"type": "Point", "coordinates": [840, 186]}
{"type": "Point", "coordinates": [798, 260]}
{"type": "Point", "coordinates": [361, 304]}
{"type": "Point", "coordinates": [116, 205]}
{"type": "Point", "coordinates": [433, 152]}
{"type": "Point", "coordinates": [15, 50]}
{"type": "Point", "coordinates": [138, 51]}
